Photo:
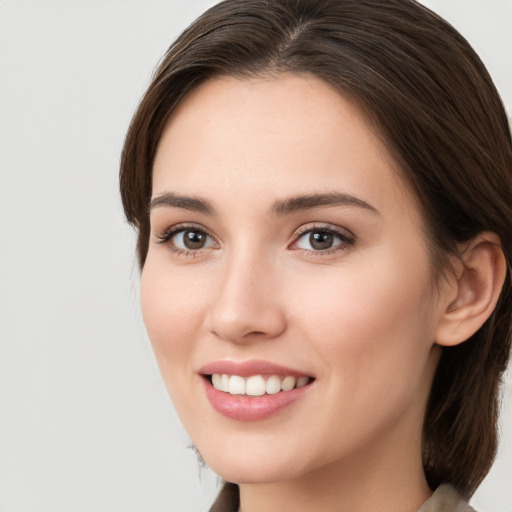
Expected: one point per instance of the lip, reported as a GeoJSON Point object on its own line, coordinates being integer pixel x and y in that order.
{"type": "Point", "coordinates": [251, 408]}
{"type": "Point", "coordinates": [248, 368]}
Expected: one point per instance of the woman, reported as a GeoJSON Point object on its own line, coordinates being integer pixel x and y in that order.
{"type": "Point", "coordinates": [323, 196]}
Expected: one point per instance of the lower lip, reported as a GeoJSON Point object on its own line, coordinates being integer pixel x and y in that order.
{"type": "Point", "coordinates": [252, 408]}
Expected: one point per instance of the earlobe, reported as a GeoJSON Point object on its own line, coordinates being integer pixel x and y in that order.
{"type": "Point", "coordinates": [474, 291]}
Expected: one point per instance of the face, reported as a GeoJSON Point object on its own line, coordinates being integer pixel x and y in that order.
{"type": "Point", "coordinates": [287, 291]}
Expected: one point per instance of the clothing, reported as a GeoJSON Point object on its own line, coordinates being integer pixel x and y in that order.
{"type": "Point", "coordinates": [444, 499]}
{"type": "Point", "coordinates": [228, 499]}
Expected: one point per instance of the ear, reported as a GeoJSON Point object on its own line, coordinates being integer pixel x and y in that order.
{"type": "Point", "coordinates": [470, 297]}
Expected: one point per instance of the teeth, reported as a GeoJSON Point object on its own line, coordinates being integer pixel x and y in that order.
{"type": "Point", "coordinates": [217, 381]}
{"type": "Point", "coordinates": [256, 385]}
{"type": "Point", "coordinates": [301, 381]}
{"type": "Point", "coordinates": [288, 383]}
{"type": "Point", "coordinates": [273, 385]}
{"type": "Point", "coordinates": [236, 385]}
{"type": "Point", "coordinates": [224, 383]}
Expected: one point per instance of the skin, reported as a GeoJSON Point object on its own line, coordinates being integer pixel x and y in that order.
{"type": "Point", "coordinates": [360, 317]}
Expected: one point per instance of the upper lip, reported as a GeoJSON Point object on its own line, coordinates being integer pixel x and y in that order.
{"type": "Point", "coordinates": [248, 368]}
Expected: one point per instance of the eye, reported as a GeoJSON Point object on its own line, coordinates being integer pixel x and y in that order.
{"type": "Point", "coordinates": [323, 239]}
{"type": "Point", "coordinates": [318, 241]}
{"type": "Point", "coordinates": [186, 239]}
{"type": "Point", "coordinates": [191, 239]}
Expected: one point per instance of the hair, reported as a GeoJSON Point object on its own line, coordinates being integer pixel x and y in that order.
{"type": "Point", "coordinates": [431, 99]}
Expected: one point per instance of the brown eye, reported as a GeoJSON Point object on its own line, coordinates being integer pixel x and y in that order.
{"type": "Point", "coordinates": [193, 239]}
{"type": "Point", "coordinates": [187, 239]}
{"type": "Point", "coordinates": [321, 240]}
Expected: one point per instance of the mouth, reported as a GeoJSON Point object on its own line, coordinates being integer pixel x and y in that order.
{"type": "Point", "coordinates": [256, 385]}
{"type": "Point", "coordinates": [254, 390]}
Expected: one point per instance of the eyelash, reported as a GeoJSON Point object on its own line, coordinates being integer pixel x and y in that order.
{"type": "Point", "coordinates": [346, 240]}
{"type": "Point", "coordinates": [166, 237]}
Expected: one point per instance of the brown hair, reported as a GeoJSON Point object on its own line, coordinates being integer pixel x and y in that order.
{"type": "Point", "coordinates": [433, 102]}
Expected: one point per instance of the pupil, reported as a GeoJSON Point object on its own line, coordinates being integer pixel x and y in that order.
{"type": "Point", "coordinates": [194, 239]}
{"type": "Point", "coordinates": [321, 240]}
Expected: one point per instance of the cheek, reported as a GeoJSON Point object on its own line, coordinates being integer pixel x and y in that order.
{"type": "Point", "coordinates": [370, 320]}
{"type": "Point", "coordinates": [372, 332]}
{"type": "Point", "coordinates": [171, 308]}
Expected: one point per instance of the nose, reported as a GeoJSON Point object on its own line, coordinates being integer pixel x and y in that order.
{"type": "Point", "coordinates": [247, 306]}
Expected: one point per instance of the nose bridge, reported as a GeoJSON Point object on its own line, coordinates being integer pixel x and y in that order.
{"type": "Point", "coordinates": [246, 305]}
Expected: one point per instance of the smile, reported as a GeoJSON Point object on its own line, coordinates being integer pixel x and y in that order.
{"type": "Point", "coordinates": [256, 385]}
{"type": "Point", "coordinates": [253, 390]}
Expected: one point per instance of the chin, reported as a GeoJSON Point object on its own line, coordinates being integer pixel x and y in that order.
{"type": "Point", "coordinates": [258, 467]}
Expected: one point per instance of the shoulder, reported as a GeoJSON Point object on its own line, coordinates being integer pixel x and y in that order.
{"type": "Point", "coordinates": [446, 499]}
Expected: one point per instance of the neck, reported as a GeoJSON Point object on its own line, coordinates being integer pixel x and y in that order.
{"type": "Point", "coordinates": [374, 484]}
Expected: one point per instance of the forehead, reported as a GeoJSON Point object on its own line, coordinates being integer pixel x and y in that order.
{"type": "Point", "coordinates": [272, 137]}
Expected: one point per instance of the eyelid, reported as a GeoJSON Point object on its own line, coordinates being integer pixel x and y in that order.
{"type": "Point", "coordinates": [165, 236]}
{"type": "Point", "coordinates": [323, 226]}
{"type": "Point", "coordinates": [346, 237]}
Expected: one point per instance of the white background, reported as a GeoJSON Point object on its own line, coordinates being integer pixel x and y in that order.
{"type": "Point", "coordinates": [85, 422]}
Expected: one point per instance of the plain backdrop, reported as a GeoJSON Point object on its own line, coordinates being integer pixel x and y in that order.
{"type": "Point", "coordinates": [85, 421]}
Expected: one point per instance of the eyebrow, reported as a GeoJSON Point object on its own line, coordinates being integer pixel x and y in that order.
{"type": "Point", "coordinates": [184, 202]}
{"type": "Point", "coordinates": [310, 201]}
{"type": "Point", "coordinates": [280, 207]}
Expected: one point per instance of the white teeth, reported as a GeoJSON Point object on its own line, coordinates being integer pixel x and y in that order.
{"type": "Point", "coordinates": [217, 380]}
{"type": "Point", "coordinates": [256, 385]}
{"type": "Point", "coordinates": [301, 381]}
{"type": "Point", "coordinates": [288, 383]}
{"type": "Point", "coordinates": [273, 385]}
{"type": "Point", "coordinates": [236, 385]}
{"type": "Point", "coordinates": [224, 383]}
